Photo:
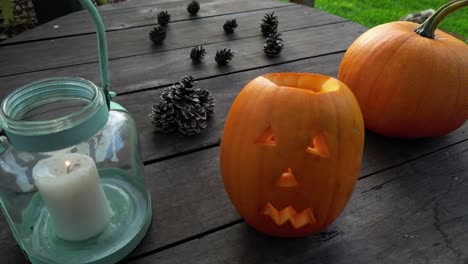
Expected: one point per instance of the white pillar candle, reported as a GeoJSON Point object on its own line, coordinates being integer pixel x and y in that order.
{"type": "Point", "coordinates": [70, 187]}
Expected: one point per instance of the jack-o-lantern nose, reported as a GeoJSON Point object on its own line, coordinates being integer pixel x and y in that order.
{"type": "Point", "coordinates": [287, 179]}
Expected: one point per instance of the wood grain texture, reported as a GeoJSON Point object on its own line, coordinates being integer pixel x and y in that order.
{"type": "Point", "coordinates": [117, 19]}
{"type": "Point", "coordinates": [157, 69]}
{"type": "Point", "coordinates": [415, 213]}
{"type": "Point", "coordinates": [10, 252]}
{"type": "Point", "coordinates": [34, 56]}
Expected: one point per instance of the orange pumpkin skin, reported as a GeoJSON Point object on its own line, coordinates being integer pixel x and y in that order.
{"type": "Point", "coordinates": [407, 85]}
{"type": "Point", "coordinates": [291, 152]}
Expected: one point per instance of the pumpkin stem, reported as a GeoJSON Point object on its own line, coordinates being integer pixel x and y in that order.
{"type": "Point", "coordinates": [429, 26]}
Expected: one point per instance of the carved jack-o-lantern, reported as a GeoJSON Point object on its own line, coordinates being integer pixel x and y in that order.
{"type": "Point", "coordinates": [291, 152]}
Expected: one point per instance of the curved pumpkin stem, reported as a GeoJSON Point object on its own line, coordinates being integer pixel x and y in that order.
{"type": "Point", "coordinates": [429, 26]}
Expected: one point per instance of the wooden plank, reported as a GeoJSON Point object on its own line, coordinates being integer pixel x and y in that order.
{"type": "Point", "coordinates": [9, 249]}
{"type": "Point", "coordinates": [416, 213]}
{"type": "Point", "coordinates": [116, 19]}
{"type": "Point", "coordinates": [138, 3]}
{"type": "Point", "coordinates": [55, 53]}
{"type": "Point", "coordinates": [158, 69]}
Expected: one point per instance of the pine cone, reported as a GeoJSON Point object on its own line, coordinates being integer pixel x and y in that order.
{"type": "Point", "coordinates": [191, 108]}
{"type": "Point", "coordinates": [207, 101]}
{"type": "Point", "coordinates": [193, 7]}
{"type": "Point", "coordinates": [223, 56]}
{"type": "Point", "coordinates": [163, 18]}
{"type": "Point", "coordinates": [163, 117]}
{"type": "Point", "coordinates": [197, 54]}
{"type": "Point", "coordinates": [269, 24]}
{"type": "Point", "coordinates": [181, 93]}
{"type": "Point", "coordinates": [230, 26]}
{"type": "Point", "coordinates": [188, 81]}
{"type": "Point", "coordinates": [192, 120]}
{"type": "Point", "coordinates": [157, 35]}
{"type": "Point", "coordinates": [273, 45]}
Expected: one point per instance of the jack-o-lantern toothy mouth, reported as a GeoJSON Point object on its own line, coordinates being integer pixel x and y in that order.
{"type": "Point", "coordinates": [297, 220]}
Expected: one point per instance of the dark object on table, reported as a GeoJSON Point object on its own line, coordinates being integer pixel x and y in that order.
{"type": "Point", "coordinates": [273, 45]}
{"type": "Point", "coordinates": [269, 24]}
{"type": "Point", "coordinates": [157, 35]}
{"type": "Point", "coordinates": [229, 26]}
{"type": "Point", "coordinates": [193, 7]}
{"type": "Point", "coordinates": [197, 54]}
{"type": "Point", "coordinates": [183, 108]}
{"type": "Point", "coordinates": [223, 56]}
{"type": "Point", "coordinates": [163, 18]}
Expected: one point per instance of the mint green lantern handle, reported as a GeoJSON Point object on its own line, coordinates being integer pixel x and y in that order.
{"type": "Point", "coordinates": [102, 48]}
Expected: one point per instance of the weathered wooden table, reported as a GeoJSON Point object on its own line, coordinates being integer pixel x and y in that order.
{"type": "Point", "coordinates": [411, 201]}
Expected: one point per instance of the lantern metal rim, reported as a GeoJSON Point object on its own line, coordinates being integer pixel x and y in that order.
{"type": "Point", "coordinates": [18, 99]}
{"type": "Point", "coordinates": [63, 131]}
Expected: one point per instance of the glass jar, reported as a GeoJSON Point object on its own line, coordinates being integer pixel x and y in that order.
{"type": "Point", "coordinates": [72, 179]}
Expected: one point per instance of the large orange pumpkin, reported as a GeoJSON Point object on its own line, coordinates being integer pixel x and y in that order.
{"type": "Point", "coordinates": [409, 84]}
{"type": "Point", "coordinates": [291, 152]}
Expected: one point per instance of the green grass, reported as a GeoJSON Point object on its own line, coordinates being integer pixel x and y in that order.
{"type": "Point", "coordinates": [371, 13]}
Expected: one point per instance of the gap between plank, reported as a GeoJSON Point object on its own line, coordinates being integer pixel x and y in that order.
{"type": "Point", "coordinates": [240, 220]}
{"type": "Point", "coordinates": [190, 151]}
{"type": "Point", "coordinates": [143, 25]}
{"type": "Point", "coordinates": [188, 239]}
{"type": "Point", "coordinates": [411, 160]}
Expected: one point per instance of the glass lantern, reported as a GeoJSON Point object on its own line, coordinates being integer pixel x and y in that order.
{"type": "Point", "coordinates": [71, 175]}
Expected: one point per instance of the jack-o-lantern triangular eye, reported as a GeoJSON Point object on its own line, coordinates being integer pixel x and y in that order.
{"type": "Point", "coordinates": [267, 138]}
{"type": "Point", "coordinates": [318, 146]}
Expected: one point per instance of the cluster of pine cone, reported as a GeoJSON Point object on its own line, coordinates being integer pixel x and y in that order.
{"type": "Point", "coordinates": [183, 108]}
{"type": "Point", "coordinates": [186, 109]}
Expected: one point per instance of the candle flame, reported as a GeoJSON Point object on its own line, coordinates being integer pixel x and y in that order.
{"type": "Point", "coordinates": [67, 163]}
